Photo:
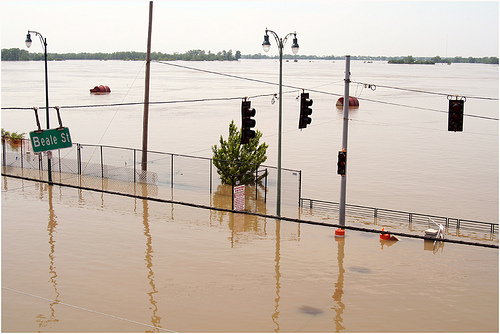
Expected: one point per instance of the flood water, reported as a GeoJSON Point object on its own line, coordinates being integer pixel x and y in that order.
{"type": "Point", "coordinates": [399, 158]}
{"type": "Point", "coordinates": [80, 261]}
{"type": "Point", "coordinates": [75, 260]}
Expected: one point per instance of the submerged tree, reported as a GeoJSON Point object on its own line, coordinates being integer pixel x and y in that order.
{"type": "Point", "coordinates": [238, 162]}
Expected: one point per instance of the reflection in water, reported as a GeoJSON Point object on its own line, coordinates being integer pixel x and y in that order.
{"type": "Point", "coordinates": [277, 276]}
{"type": "Point", "coordinates": [339, 286]}
{"type": "Point", "coordinates": [42, 320]}
{"type": "Point", "coordinates": [433, 246]}
{"type": "Point", "coordinates": [155, 319]}
{"type": "Point", "coordinates": [238, 223]}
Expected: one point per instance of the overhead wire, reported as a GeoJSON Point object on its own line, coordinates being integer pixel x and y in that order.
{"type": "Point", "coordinates": [424, 91]}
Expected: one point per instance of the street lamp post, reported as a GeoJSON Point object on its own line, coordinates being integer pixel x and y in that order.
{"type": "Point", "coordinates": [295, 48]}
{"type": "Point", "coordinates": [44, 44]}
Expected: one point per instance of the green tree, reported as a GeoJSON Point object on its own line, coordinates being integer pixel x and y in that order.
{"type": "Point", "coordinates": [234, 160]}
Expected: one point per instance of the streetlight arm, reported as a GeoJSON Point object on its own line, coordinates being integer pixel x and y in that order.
{"type": "Point", "coordinates": [278, 40]}
{"type": "Point", "coordinates": [42, 39]}
{"type": "Point", "coordinates": [281, 42]}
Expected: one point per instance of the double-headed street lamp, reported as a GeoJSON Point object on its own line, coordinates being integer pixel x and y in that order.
{"type": "Point", "coordinates": [44, 44]}
{"type": "Point", "coordinates": [295, 48]}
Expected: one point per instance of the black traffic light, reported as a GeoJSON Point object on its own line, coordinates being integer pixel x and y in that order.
{"type": "Point", "coordinates": [247, 122]}
{"type": "Point", "coordinates": [305, 110]}
{"type": "Point", "coordinates": [341, 162]}
{"type": "Point", "coordinates": [456, 115]}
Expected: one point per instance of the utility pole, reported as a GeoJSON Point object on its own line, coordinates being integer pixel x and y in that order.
{"type": "Point", "coordinates": [145, 119]}
{"type": "Point", "coordinates": [343, 184]}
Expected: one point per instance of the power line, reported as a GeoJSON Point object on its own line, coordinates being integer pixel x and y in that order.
{"type": "Point", "coordinates": [373, 87]}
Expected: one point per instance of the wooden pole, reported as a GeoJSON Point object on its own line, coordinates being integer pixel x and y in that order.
{"type": "Point", "coordinates": [145, 119]}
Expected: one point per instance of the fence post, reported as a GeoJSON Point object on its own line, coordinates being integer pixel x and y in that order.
{"type": "Point", "coordinates": [300, 187]}
{"type": "Point", "coordinates": [232, 192]}
{"type": "Point", "coordinates": [265, 188]}
{"type": "Point", "coordinates": [22, 165]}
{"type": "Point", "coordinates": [256, 184]}
{"type": "Point", "coordinates": [4, 152]}
{"type": "Point", "coordinates": [79, 158]}
{"type": "Point", "coordinates": [172, 171]}
{"type": "Point", "coordinates": [134, 165]}
{"type": "Point", "coordinates": [102, 164]}
{"type": "Point", "coordinates": [211, 162]}
{"type": "Point", "coordinates": [59, 158]}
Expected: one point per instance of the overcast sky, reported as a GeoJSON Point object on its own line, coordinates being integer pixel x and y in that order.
{"type": "Point", "coordinates": [324, 27]}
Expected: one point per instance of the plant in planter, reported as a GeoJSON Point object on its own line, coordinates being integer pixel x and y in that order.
{"type": "Point", "coordinates": [13, 138]}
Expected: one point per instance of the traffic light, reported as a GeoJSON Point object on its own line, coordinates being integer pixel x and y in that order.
{"type": "Point", "coordinates": [341, 162]}
{"type": "Point", "coordinates": [305, 110]}
{"type": "Point", "coordinates": [456, 115]}
{"type": "Point", "coordinates": [247, 122]}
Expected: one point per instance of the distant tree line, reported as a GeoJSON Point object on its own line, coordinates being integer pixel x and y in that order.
{"type": "Point", "coordinates": [438, 59]}
{"type": "Point", "coordinates": [200, 55]}
{"type": "Point", "coordinates": [197, 55]}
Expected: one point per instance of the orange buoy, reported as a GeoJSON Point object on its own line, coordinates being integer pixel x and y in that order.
{"type": "Point", "coordinates": [339, 232]}
{"type": "Point", "coordinates": [384, 236]}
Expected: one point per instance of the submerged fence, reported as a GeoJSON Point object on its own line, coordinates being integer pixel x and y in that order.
{"type": "Point", "coordinates": [168, 176]}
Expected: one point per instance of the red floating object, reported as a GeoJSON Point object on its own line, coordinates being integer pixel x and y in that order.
{"type": "Point", "coordinates": [353, 102]}
{"type": "Point", "coordinates": [100, 89]}
{"type": "Point", "coordinates": [385, 236]}
{"type": "Point", "coordinates": [339, 232]}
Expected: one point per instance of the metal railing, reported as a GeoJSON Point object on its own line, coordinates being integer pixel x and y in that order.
{"type": "Point", "coordinates": [397, 215]}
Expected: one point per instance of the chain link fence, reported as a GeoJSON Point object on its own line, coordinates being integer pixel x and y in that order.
{"type": "Point", "coordinates": [169, 176]}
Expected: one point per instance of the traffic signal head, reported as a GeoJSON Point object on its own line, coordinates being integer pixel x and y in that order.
{"type": "Point", "coordinates": [456, 115]}
{"type": "Point", "coordinates": [247, 122]}
{"type": "Point", "coordinates": [305, 110]}
{"type": "Point", "coordinates": [341, 164]}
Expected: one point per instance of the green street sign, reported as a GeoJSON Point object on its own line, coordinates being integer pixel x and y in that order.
{"type": "Point", "coordinates": [52, 139]}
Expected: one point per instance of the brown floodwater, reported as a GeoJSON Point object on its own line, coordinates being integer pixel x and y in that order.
{"type": "Point", "coordinates": [83, 261]}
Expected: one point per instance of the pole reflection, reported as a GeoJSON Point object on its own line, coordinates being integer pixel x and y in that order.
{"type": "Point", "coordinates": [339, 286]}
{"type": "Point", "coordinates": [155, 318]}
{"type": "Point", "coordinates": [42, 320]}
{"type": "Point", "coordinates": [277, 276]}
